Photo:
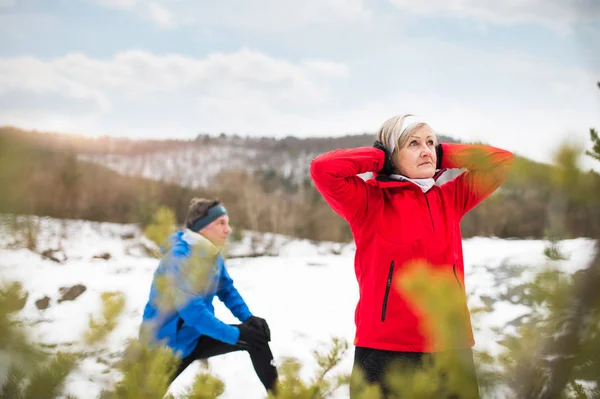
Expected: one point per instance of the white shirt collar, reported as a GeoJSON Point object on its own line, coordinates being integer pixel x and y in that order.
{"type": "Point", "coordinates": [424, 184]}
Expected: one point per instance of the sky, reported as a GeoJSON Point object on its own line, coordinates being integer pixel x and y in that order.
{"type": "Point", "coordinates": [518, 74]}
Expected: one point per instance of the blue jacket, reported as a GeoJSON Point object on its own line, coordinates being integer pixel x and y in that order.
{"type": "Point", "coordinates": [179, 307]}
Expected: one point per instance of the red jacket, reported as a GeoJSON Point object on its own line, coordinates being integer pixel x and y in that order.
{"type": "Point", "coordinates": [394, 222]}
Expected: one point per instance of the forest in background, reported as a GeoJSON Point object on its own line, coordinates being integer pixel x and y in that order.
{"type": "Point", "coordinates": [43, 175]}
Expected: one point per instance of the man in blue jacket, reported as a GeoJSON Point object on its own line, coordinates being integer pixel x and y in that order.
{"type": "Point", "coordinates": [180, 313]}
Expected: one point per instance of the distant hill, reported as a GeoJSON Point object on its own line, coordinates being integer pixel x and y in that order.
{"type": "Point", "coordinates": [42, 177]}
{"type": "Point", "coordinates": [195, 163]}
{"type": "Point", "coordinates": [263, 181]}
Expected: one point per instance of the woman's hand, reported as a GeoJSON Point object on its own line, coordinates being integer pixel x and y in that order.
{"type": "Point", "coordinates": [438, 155]}
{"type": "Point", "coordinates": [388, 166]}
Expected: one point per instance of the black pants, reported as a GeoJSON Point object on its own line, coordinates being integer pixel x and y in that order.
{"type": "Point", "coordinates": [207, 347]}
{"type": "Point", "coordinates": [373, 364]}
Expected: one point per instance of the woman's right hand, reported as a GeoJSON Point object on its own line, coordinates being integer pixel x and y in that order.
{"type": "Point", "coordinates": [439, 155]}
{"type": "Point", "coordinates": [388, 166]}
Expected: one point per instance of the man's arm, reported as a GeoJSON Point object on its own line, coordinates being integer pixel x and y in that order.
{"type": "Point", "coordinates": [193, 309]}
{"type": "Point", "coordinates": [230, 296]}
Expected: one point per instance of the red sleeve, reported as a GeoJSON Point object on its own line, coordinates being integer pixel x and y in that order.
{"type": "Point", "coordinates": [487, 168]}
{"type": "Point", "coordinates": [335, 176]}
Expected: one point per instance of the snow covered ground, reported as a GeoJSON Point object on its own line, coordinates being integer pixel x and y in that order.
{"type": "Point", "coordinates": [307, 293]}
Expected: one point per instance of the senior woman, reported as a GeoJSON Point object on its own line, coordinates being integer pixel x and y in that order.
{"type": "Point", "coordinates": [401, 215]}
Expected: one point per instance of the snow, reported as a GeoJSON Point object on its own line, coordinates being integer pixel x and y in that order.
{"type": "Point", "coordinates": [196, 165]}
{"type": "Point", "coordinates": [305, 290]}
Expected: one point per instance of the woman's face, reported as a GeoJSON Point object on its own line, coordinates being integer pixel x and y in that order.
{"type": "Point", "coordinates": [417, 159]}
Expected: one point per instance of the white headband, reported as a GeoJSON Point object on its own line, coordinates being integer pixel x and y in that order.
{"type": "Point", "coordinates": [406, 122]}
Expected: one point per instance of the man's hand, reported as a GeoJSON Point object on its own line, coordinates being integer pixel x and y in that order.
{"type": "Point", "coordinates": [260, 324]}
{"type": "Point", "coordinates": [251, 337]}
{"type": "Point", "coordinates": [388, 166]}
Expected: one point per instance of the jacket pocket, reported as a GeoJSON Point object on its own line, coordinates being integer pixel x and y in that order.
{"type": "Point", "coordinates": [387, 291]}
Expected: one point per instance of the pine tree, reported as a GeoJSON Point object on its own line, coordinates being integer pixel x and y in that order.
{"type": "Point", "coordinates": [557, 351]}
{"type": "Point", "coordinates": [322, 385]}
{"type": "Point", "coordinates": [26, 371]}
{"type": "Point", "coordinates": [595, 151]}
{"type": "Point", "coordinates": [113, 304]}
{"type": "Point", "coordinates": [163, 224]}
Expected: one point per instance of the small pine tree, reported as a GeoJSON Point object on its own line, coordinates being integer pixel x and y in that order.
{"type": "Point", "coordinates": [552, 249]}
{"type": "Point", "coordinates": [595, 151]}
{"type": "Point", "coordinates": [45, 381]}
{"type": "Point", "coordinates": [113, 304]}
{"type": "Point", "coordinates": [163, 224]}
{"type": "Point", "coordinates": [14, 340]}
{"type": "Point", "coordinates": [323, 385]}
{"type": "Point", "coordinates": [26, 372]}
{"type": "Point", "coordinates": [205, 386]}
{"type": "Point", "coordinates": [557, 348]}
{"type": "Point", "coordinates": [146, 372]}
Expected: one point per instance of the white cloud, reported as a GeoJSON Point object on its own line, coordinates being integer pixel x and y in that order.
{"type": "Point", "coordinates": [149, 82]}
{"type": "Point", "coordinates": [557, 14]}
{"type": "Point", "coordinates": [290, 14]}
{"type": "Point", "coordinates": [31, 75]}
{"type": "Point", "coordinates": [156, 11]}
{"type": "Point", "coordinates": [257, 15]}
{"type": "Point", "coordinates": [327, 68]}
{"type": "Point", "coordinates": [160, 15]}
{"type": "Point", "coordinates": [124, 4]}
{"type": "Point", "coordinates": [7, 3]}
{"type": "Point", "coordinates": [139, 73]}
{"type": "Point", "coordinates": [508, 99]}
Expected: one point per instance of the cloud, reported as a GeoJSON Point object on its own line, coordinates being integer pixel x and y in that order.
{"type": "Point", "coordinates": [240, 14]}
{"type": "Point", "coordinates": [556, 14]}
{"type": "Point", "coordinates": [7, 3]}
{"type": "Point", "coordinates": [31, 75]}
{"type": "Point", "coordinates": [273, 15]}
{"type": "Point", "coordinates": [509, 99]}
{"type": "Point", "coordinates": [327, 68]}
{"type": "Point", "coordinates": [156, 11]}
{"type": "Point", "coordinates": [172, 84]}
{"type": "Point", "coordinates": [160, 15]}
{"type": "Point", "coordinates": [123, 4]}
{"type": "Point", "coordinates": [139, 73]}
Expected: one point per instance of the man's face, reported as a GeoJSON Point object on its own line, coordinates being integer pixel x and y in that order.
{"type": "Point", "coordinates": [218, 231]}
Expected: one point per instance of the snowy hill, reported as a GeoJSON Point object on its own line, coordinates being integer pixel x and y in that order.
{"type": "Point", "coordinates": [305, 290]}
{"type": "Point", "coordinates": [195, 165]}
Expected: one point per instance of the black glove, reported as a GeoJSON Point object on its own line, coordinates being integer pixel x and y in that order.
{"type": "Point", "coordinates": [259, 323]}
{"type": "Point", "coordinates": [251, 337]}
{"type": "Point", "coordinates": [388, 166]}
{"type": "Point", "coordinates": [439, 154]}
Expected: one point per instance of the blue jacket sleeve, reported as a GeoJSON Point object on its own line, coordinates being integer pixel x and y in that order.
{"type": "Point", "coordinates": [193, 309]}
{"type": "Point", "coordinates": [230, 296]}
